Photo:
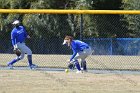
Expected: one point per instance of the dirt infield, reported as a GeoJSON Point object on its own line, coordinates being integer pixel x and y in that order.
{"type": "Point", "coordinates": [28, 81]}
{"type": "Point", "coordinates": [93, 62]}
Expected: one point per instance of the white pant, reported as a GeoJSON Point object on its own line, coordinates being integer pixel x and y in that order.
{"type": "Point", "coordinates": [24, 49]}
{"type": "Point", "coordinates": [83, 54]}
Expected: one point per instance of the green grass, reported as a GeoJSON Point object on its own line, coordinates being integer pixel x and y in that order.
{"type": "Point", "coordinates": [27, 81]}
{"type": "Point", "coordinates": [93, 62]}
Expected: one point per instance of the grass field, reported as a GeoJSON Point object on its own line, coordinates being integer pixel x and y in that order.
{"type": "Point", "coordinates": [93, 62]}
{"type": "Point", "coordinates": [37, 81]}
{"type": "Point", "coordinates": [27, 81]}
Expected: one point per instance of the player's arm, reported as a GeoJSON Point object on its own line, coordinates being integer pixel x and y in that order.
{"type": "Point", "coordinates": [28, 36]}
{"type": "Point", "coordinates": [25, 33]}
{"type": "Point", "coordinates": [13, 39]}
{"type": "Point", "coordinates": [74, 54]}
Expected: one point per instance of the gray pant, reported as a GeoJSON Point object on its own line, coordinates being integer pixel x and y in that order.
{"type": "Point", "coordinates": [24, 49]}
{"type": "Point", "coordinates": [83, 54]}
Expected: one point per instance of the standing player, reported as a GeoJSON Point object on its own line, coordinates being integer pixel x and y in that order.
{"type": "Point", "coordinates": [18, 36]}
{"type": "Point", "coordinates": [80, 51]}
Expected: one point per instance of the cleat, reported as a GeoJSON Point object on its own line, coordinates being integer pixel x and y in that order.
{"type": "Point", "coordinates": [33, 66]}
{"type": "Point", "coordinates": [79, 71]}
{"type": "Point", "coordinates": [83, 70]}
{"type": "Point", "coordinates": [10, 66]}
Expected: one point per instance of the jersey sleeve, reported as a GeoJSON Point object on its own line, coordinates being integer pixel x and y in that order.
{"type": "Point", "coordinates": [74, 49]}
{"type": "Point", "coordinates": [73, 55]}
{"type": "Point", "coordinates": [13, 38]}
{"type": "Point", "coordinates": [25, 33]}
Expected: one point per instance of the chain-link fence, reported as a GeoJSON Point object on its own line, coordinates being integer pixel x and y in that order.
{"type": "Point", "coordinates": [106, 34]}
{"type": "Point", "coordinates": [115, 46]}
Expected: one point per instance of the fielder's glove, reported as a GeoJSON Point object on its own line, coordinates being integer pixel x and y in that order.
{"type": "Point", "coordinates": [17, 52]}
{"type": "Point", "coordinates": [71, 65]}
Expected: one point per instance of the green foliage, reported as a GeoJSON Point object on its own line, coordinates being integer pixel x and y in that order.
{"type": "Point", "coordinates": [106, 4]}
{"type": "Point", "coordinates": [107, 25]}
{"type": "Point", "coordinates": [48, 25]}
{"type": "Point", "coordinates": [132, 20]}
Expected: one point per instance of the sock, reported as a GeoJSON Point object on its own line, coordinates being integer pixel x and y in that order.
{"type": "Point", "coordinates": [14, 61]}
{"type": "Point", "coordinates": [77, 65]}
{"type": "Point", "coordinates": [29, 59]}
{"type": "Point", "coordinates": [84, 65]}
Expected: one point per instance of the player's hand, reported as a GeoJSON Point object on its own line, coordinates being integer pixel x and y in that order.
{"type": "Point", "coordinates": [28, 36]}
{"type": "Point", "coordinates": [15, 47]}
{"type": "Point", "coordinates": [68, 61]}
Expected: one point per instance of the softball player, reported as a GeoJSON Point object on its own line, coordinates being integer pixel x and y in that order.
{"type": "Point", "coordinates": [18, 36]}
{"type": "Point", "coordinates": [80, 51]}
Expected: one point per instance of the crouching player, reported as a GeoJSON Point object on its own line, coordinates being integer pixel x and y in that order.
{"type": "Point", "coordinates": [81, 50]}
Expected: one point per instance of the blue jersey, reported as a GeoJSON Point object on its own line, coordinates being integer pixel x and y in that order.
{"type": "Point", "coordinates": [18, 34]}
{"type": "Point", "coordinates": [77, 46]}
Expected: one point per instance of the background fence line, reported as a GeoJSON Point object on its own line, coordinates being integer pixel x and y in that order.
{"type": "Point", "coordinates": [101, 46]}
{"type": "Point", "coordinates": [106, 34]}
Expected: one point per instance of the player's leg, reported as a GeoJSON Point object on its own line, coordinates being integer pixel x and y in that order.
{"type": "Point", "coordinates": [83, 61]}
{"type": "Point", "coordinates": [75, 60]}
{"type": "Point", "coordinates": [31, 65]}
{"type": "Point", "coordinates": [29, 56]}
{"type": "Point", "coordinates": [83, 65]}
{"type": "Point", "coordinates": [77, 64]}
{"type": "Point", "coordinates": [83, 56]}
{"type": "Point", "coordinates": [11, 63]}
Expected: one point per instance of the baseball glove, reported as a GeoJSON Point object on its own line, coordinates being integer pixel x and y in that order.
{"type": "Point", "coordinates": [17, 52]}
{"type": "Point", "coordinates": [71, 65]}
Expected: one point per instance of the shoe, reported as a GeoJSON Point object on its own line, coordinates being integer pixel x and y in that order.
{"type": "Point", "coordinates": [10, 66]}
{"type": "Point", "coordinates": [84, 70]}
{"type": "Point", "coordinates": [79, 71]}
{"type": "Point", "coordinates": [33, 66]}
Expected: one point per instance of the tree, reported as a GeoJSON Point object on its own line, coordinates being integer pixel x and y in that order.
{"type": "Point", "coordinates": [133, 21]}
{"type": "Point", "coordinates": [108, 25]}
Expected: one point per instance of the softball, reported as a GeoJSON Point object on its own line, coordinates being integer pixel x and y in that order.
{"type": "Point", "coordinates": [66, 70]}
